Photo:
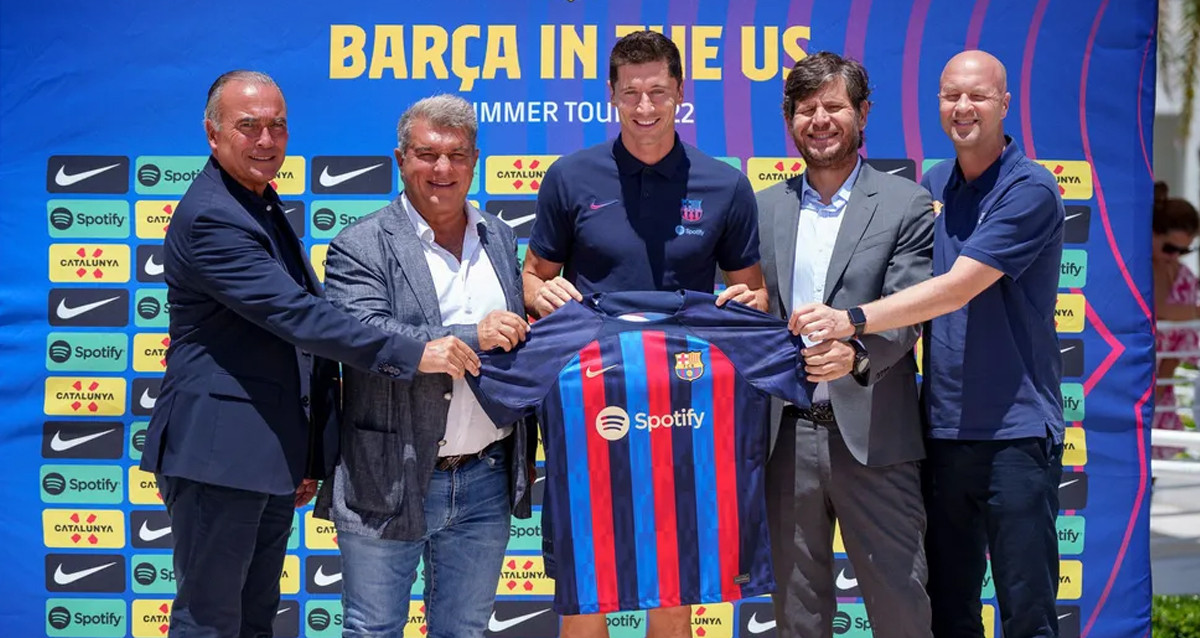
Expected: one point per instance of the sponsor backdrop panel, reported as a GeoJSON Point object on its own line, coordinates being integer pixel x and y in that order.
{"type": "Point", "coordinates": [102, 134]}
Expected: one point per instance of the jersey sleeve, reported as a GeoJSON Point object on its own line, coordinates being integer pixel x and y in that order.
{"type": "Point", "coordinates": [759, 345]}
{"type": "Point", "coordinates": [1016, 229]}
{"type": "Point", "coordinates": [739, 241]}
{"type": "Point", "coordinates": [512, 385]}
{"type": "Point", "coordinates": [553, 233]}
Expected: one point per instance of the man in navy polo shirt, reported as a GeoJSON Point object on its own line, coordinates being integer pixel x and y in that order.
{"type": "Point", "coordinates": [643, 212]}
{"type": "Point", "coordinates": [992, 371]}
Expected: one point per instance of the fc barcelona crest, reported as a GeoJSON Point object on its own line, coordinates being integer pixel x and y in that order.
{"type": "Point", "coordinates": [691, 210]}
{"type": "Point", "coordinates": [689, 366]}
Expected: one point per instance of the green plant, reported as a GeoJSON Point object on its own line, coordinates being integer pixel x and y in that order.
{"type": "Point", "coordinates": [1179, 54]}
{"type": "Point", "coordinates": [1175, 617]}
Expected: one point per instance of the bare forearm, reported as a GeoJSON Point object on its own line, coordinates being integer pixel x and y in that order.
{"type": "Point", "coordinates": [917, 304]}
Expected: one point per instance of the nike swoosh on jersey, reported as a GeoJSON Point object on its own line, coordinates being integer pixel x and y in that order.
{"type": "Point", "coordinates": [149, 535]}
{"type": "Point", "coordinates": [66, 578]}
{"type": "Point", "coordinates": [843, 582]}
{"type": "Point", "coordinates": [146, 401]}
{"type": "Point", "coordinates": [65, 179]}
{"type": "Point", "coordinates": [755, 626]}
{"type": "Point", "coordinates": [329, 181]}
{"type": "Point", "coordinates": [599, 205]}
{"type": "Point", "coordinates": [59, 444]}
{"type": "Point", "coordinates": [496, 625]}
{"type": "Point", "coordinates": [516, 221]}
{"type": "Point", "coordinates": [321, 579]}
{"type": "Point", "coordinates": [66, 312]}
{"type": "Point", "coordinates": [1066, 483]}
{"type": "Point", "coordinates": [152, 268]}
{"type": "Point", "coordinates": [592, 374]}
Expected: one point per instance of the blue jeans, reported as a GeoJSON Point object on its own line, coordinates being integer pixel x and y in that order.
{"type": "Point", "coordinates": [467, 513]}
{"type": "Point", "coordinates": [999, 497]}
{"type": "Point", "coordinates": [229, 551]}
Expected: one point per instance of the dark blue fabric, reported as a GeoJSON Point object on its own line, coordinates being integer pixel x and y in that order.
{"type": "Point", "coordinates": [993, 369]}
{"type": "Point", "coordinates": [617, 224]}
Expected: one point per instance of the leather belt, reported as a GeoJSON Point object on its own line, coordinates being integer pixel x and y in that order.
{"type": "Point", "coordinates": [448, 463]}
{"type": "Point", "coordinates": [819, 413]}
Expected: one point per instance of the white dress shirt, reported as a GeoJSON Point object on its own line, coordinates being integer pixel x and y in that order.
{"type": "Point", "coordinates": [467, 291]}
{"type": "Point", "coordinates": [815, 238]}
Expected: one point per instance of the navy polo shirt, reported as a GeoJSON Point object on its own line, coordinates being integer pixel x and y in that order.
{"type": "Point", "coordinates": [617, 224]}
{"type": "Point", "coordinates": [993, 369]}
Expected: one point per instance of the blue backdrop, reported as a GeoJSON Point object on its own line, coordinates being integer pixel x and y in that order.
{"type": "Point", "coordinates": [100, 133]}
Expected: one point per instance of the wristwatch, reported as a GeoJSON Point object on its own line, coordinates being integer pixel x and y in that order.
{"type": "Point", "coordinates": [862, 361]}
{"type": "Point", "coordinates": [858, 319]}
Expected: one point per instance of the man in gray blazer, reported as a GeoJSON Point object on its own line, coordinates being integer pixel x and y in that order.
{"type": "Point", "coordinates": [844, 234]}
{"type": "Point", "coordinates": [424, 471]}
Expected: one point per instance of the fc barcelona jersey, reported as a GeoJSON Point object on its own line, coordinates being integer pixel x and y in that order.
{"type": "Point", "coordinates": [654, 411]}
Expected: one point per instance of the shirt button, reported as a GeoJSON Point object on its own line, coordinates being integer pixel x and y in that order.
{"type": "Point", "coordinates": [442, 443]}
{"type": "Point", "coordinates": [447, 396]}
{"type": "Point", "coordinates": [304, 401]}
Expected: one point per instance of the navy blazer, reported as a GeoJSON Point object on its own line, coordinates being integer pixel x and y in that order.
{"type": "Point", "coordinates": [249, 399]}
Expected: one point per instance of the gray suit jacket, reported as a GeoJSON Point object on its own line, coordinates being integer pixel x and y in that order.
{"type": "Point", "coordinates": [885, 244]}
{"type": "Point", "coordinates": [376, 270]}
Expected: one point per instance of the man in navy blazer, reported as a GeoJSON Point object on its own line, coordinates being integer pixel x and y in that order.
{"type": "Point", "coordinates": [246, 421]}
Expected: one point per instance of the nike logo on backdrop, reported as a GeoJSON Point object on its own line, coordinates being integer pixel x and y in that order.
{"type": "Point", "coordinates": [321, 579]}
{"type": "Point", "coordinates": [152, 268]}
{"type": "Point", "coordinates": [64, 179]}
{"type": "Point", "coordinates": [59, 444]}
{"type": "Point", "coordinates": [66, 312]}
{"type": "Point", "coordinates": [895, 170]}
{"type": "Point", "coordinates": [496, 625]}
{"type": "Point", "coordinates": [592, 374]}
{"type": "Point", "coordinates": [66, 578]}
{"type": "Point", "coordinates": [1066, 349]}
{"type": "Point", "coordinates": [146, 401]}
{"type": "Point", "coordinates": [329, 181]}
{"type": "Point", "coordinates": [846, 583]}
{"type": "Point", "coordinates": [148, 535]}
{"type": "Point", "coordinates": [757, 627]}
{"type": "Point", "coordinates": [1066, 483]}
{"type": "Point", "coordinates": [516, 221]}
{"type": "Point", "coordinates": [1072, 216]}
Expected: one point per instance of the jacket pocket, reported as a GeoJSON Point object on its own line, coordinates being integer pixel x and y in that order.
{"type": "Point", "coordinates": [374, 471]}
{"type": "Point", "coordinates": [264, 392]}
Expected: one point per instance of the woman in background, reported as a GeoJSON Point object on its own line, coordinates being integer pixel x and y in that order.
{"type": "Point", "coordinates": [1176, 295]}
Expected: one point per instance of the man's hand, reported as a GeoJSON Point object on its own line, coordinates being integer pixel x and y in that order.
{"type": "Point", "coordinates": [449, 355]}
{"type": "Point", "coordinates": [553, 294]}
{"type": "Point", "coordinates": [828, 360]}
{"type": "Point", "coordinates": [742, 294]}
{"type": "Point", "coordinates": [502, 329]}
{"type": "Point", "coordinates": [305, 492]}
{"type": "Point", "coordinates": [819, 322]}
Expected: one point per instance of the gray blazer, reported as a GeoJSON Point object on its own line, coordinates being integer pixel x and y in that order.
{"type": "Point", "coordinates": [885, 244]}
{"type": "Point", "coordinates": [376, 270]}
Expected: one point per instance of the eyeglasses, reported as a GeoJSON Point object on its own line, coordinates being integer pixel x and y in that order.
{"type": "Point", "coordinates": [1171, 249]}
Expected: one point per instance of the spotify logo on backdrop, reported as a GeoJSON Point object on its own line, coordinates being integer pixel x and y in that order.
{"type": "Point", "coordinates": [324, 219]}
{"type": "Point", "coordinates": [61, 218]}
{"type": "Point", "coordinates": [148, 307]}
{"type": "Point", "coordinates": [149, 174]}
{"type": "Point", "coordinates": [59, 351]}
{"type": "Point", "coordinates": [54, 483]}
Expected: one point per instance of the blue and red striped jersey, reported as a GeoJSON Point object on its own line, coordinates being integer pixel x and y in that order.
{"type": "Point", "coordinates": [654, 411]}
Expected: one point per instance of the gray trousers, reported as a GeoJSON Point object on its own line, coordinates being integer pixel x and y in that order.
{"type": "Point", "coordinates": [812, 479]}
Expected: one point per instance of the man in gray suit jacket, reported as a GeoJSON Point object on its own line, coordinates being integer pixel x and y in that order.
{"type": "Point", "coordinates": [844, 234]}
{"type": "Point", "coordinates": [424, 472]}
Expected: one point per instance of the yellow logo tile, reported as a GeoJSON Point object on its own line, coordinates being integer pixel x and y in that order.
{"type": "Point", "coordinates": [524, 576]}
{"type": "Point", "coordinates": [153, 217]}
{"type": "Point", "coordinates": [319, 533]}
{"type": "Point", "coordinates": [150, 351]}
{"type": "Point", "coordinates": [838, 545]}
{"type": "Point", "coordinates": [1070, 579]}
{"type": "Point", "coordinates": [143, 488]}
{"type": "Point", "coordinates": [317, 257]}
{"type": "Point", "coordinates": [1070, 312]}
{"type": "Point", "coordinates": [1075, 447]}
{"type": "Point", "coordinates": [1074, 177]}
{"type": "Point", "coordinates": [516, 174]}
{"type": "Point", "coordinates": [89, 263]}
{"type": "Point", "coordinates": [85, 396]}
{"type": "Point", "coordinates": [989, 621]}
{"type": "Point", "coordinates": [415, 627]}
{"type": "Point", "coordinates": [291, 176]}
{"type": "Point", "coordinates": [289, 579]}
{"type": "Point", "coordinates": [712, 621]}
{"type": "Point", "coordinates": [768, 171]}
{"type": "Point", "coordinates": [151, 618]}
{"type": "Point", "coordinates": [83, 528]}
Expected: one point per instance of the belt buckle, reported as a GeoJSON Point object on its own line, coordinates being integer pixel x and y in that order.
{"type": "Point", "coordinates": [448, 463]}
{"type": "Point", "coordinates": [822, 413]}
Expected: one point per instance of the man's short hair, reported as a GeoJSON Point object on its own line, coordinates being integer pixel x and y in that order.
{"type": "Point", "coordinates": [811, 73]}
{"type": "Point", "coordinates": [440, 111]}
{"type": "Point", "coordinates": [212, 108]}
{"type": "Point", "coordinates": [641, 47]}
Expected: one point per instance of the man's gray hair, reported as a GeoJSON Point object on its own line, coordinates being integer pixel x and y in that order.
{"type": "Point", "coordinates": [441, 111]}
{"type": "Point", "coordinates": [212, 109]}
